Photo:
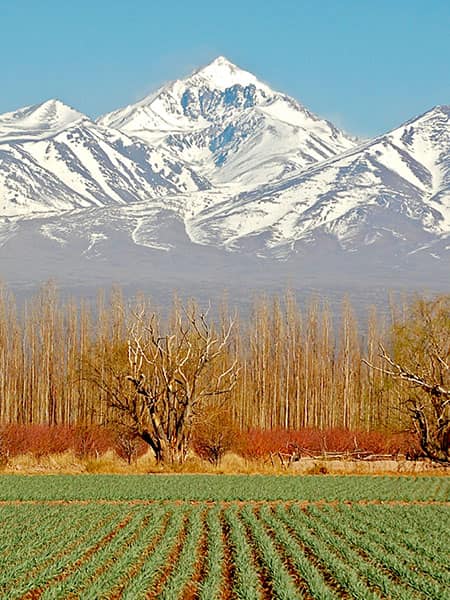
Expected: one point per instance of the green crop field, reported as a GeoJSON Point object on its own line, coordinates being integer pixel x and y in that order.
{"type": "Point", "coordinates": [223, 487]}
{"type": "Point", "coordinates": [224, 537]}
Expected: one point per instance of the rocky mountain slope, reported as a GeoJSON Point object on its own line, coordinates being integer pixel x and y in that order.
{"type": "Point", "coordinates": [394, 190]}
{"type": "Point", "coordinates": [53, 158]}
{"type": "Point", "coordinates": [230, 127]}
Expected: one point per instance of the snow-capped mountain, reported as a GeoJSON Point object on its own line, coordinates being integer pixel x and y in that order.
{"type": "Point", "coordinates": [394, 188]}
{"type": "Point", "coordinates": [217, 177]}
{"type": "Point", "coordinates": [38, 121]}
{"type": "Point", "coordinates": [53, 158]}
{"type": "Point", "coordinates": [230, 127]}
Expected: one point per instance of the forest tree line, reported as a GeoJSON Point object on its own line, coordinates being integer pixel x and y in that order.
{"type": "Point", "coordinates": [295, 368]}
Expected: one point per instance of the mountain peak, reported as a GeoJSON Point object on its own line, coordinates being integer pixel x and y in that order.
{"type": "Point", "coordinates": [222, 73]}
{"type": "Point", "coordinates": [221, 113]}
{"type": "Point", "coordinates": [38, 120]}
{"type": "Point", "coordinates": [222, 61]}
{"type": "Point", "coordinates": [55, 110]}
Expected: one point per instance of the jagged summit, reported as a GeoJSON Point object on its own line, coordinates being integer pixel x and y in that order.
{"type": "Point", "coordinates": [440, 111]}
{"type": "Point", "coordinates": [166, 108]}
{"type": "Point", "coordinates": [230, 127]}
{"type": "Point", "coordinates": [222, 74]}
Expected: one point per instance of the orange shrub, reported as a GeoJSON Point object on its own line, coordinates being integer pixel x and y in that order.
{"type": "Point", "coordinates": [92, 440]}
{"type": "Point", "coordinates": [211, 440]}
{"type": "Point", "coordinates": [258, 444]}
{"type": "Point", "coordinates": [214, 435]}
{"type": "Point", "coordinates": [42, 440]}
{"type": "Point", "coordinates": [129, 447]}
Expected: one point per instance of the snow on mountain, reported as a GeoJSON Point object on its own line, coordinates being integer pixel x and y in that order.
{"type": "Point", "coordinates": [38, 121]}
{"type": "Point", "coordinates": [427, 140]}
{"type": "Point", "coordinates": [230, 127]}
{"type": "Point", "coordinates": [214, 172]}
{"type": "Point", "coordinates": [67, 161]}
{"type": "Point", "coordinates": [393, 189]}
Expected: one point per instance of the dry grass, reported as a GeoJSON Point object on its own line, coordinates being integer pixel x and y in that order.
{"type": "Point", "coordinates": [361, 467]}
{"type": "Point", "coordinates": [109, 462]}
{"type": "Point", "coordinates": [65, 462]}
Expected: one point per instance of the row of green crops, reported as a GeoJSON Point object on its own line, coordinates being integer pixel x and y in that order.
{"type": "Point", "coordinates": [178, 550]}
{"type": "Point", "coordinates": [223, 487]}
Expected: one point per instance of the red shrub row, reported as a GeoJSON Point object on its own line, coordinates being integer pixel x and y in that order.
{"type": "Point", "coordinates": [85, 441]}
{"type": "Point", "coordinates": [256, 443]}
{"type": "Point", "coordinates": [91, 441]}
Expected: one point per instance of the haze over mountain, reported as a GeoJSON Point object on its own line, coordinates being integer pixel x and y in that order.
{"type": "Point", "coordinates": [218, 178]}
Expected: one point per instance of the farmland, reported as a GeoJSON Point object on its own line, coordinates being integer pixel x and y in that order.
{"type": "Point", "coordinates": [224, 537]}
{"type": "Point", "coordinates": [223, 488]}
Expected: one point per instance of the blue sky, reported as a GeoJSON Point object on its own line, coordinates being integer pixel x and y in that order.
{"type": "Point", "coordinates": [367, 65]}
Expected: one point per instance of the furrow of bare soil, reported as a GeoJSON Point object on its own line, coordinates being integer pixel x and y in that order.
{"type": "Point", "coordinates": [116, 556]}
{"type": "Point", "coordinates": [300, 583]}
{"type": "Point", "coordinates": [319, 564]}
{"type": "Point", "coordinates": [362, 553]}
{"type": "Point", "coordinates": [226, 503]}
{"type": "Point", "coordinates": [159, 583]}
{"type": "Point", "coordinates": [264, 575]}
{"type": "Point", "coordinates": [366, 555]}
{"type": "Point", "coordinates": [67, 549]}
{"type": "Point", "coordinates": [228, 562]}
{"type": "Point", "coordinates": [32, 573]}
{"type": "Point", "coordinates": [118, 589]}
{"type": "Point", "coordinates": [191, 590]}
{"type": "Point", "coordinates": [36, 593]}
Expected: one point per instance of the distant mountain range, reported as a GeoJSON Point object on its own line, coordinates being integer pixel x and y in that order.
{"type": "Point", "coordinates": [217, 178]}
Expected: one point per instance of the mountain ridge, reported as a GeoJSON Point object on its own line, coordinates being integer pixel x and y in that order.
{"type": "Point", "coordinates": [219, 129]}
{"type": "Point", "coordinates": [220, 161]}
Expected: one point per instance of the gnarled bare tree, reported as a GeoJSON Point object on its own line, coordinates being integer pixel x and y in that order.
{"type": "Point", "coordinates": [167, 376]}
{"type": "Point", "coordinates": [420, 362]}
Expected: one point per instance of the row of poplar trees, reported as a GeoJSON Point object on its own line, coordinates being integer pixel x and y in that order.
{"type": "Point", "coordinates": [295, 367]}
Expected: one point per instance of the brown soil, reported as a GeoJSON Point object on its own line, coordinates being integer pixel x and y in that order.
{"type": "Point", "coordinates": [37, 593]}
{"type": "Point", "coordinates": [228, 563]}
{"type": "Point", "coordinates": [120, 586]}
{"type": "Point", "coordinates": [160, 582]}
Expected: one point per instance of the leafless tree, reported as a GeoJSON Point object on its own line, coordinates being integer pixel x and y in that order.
{"type": "Point", "coordinates": [168, 376]}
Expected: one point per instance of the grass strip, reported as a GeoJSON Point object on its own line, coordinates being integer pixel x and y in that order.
{"type": "Point", "coordinates": [387, 554]}
{"type": "Point", "coordinates": [80, 579]}
{"type": "Point", "coordinates": [325, 552]}
{"type": "Point", "coordinates": [184, 570]}
{"type": "Point", "coordinates": [211, 586]}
